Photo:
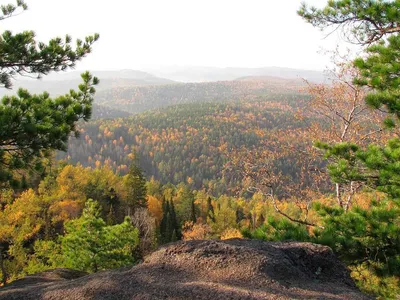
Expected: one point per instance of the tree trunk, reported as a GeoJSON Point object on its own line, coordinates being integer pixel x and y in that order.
{"type": "Point", "coordinates": [339, 195]}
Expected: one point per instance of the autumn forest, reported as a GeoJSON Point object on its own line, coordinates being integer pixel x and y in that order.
{"type": "Point", "coordinates": [101, 177]}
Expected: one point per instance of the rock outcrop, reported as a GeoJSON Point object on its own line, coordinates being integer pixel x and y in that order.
{"type": "Point", "coordinates": [231, 269]}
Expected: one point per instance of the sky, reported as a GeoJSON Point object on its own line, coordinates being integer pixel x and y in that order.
{"type": "Point", "coordinates": [142, 34]}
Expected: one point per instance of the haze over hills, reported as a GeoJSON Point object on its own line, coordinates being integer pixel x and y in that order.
{"type": "Point", "coordinates": [136, 99]}
{"type": "Point", "coordinates": [61, 83]}
{"type": "Point", "coordinates": [124, 92]}
{"type": "Point", "coordinates": [201, 74]}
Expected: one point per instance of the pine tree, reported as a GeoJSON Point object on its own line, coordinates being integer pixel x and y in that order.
{"type": "Point", "coordinates": [169, 226]}
{"type": "Point", "coordinates": [193, 212]}
{"type": "Point", "coordinates": [163, 223]}
{"type": "Point", "coordinates": [90, 245]}
{"type": "Point", "coordinates": [210, 213]}
{"type": "Point", "coordinates": [166, 227]}
{"type": "Point", "coordinates": [372, 23]}
{"type": "Point", "coordinates": [186, 207]}
{"type": "Point", "coordinates": [174, 221]}
{"type": "Point", "coordinates": [31, 126]}
{"type": "Point", "coordinates": [113, 203]}
{"type": "Point", "coordinates": [136, 188]}
{"type": "Point", "coordinates": [368, 238]}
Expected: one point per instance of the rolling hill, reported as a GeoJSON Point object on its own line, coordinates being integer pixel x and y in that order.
{"type": "Point", "coordinates": [193, 142]}
{"type": "Point", "coordinates": [136, 99]}
{"type": "Point", "coordinates": [61, 83]}
{"type": "Point", "coordinates": [202, 74]}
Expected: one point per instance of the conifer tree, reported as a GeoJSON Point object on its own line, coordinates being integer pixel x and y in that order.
{"type": "Point", "coordinates": [166, 224]}
{"type": "Point", "coordinates": [375, 24]}
{"type": "Point", "coordinates": [210, 213]}
{"type": "Point", "coordinates": [368, 238]}
{"type": "Point", "coordinates": [136, 188]}
{"type": "Point", "coordinates": [186, 207]}
{"type": "Point", "coordinates": [31, 126]}
{"type": "Point", "coordinates": [174, 222]}
{"type": "Point", "coordinates": [163, 223]}
{"type": "Point", "coordinates": [169, 227]}
{"type": "Point", "coordinates": [91, 245]}
{"type": "Point", "coordinates": [193, 212]}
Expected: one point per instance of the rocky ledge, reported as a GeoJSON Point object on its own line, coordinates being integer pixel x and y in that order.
{"type": "Point", "coordinates": [231, 269]}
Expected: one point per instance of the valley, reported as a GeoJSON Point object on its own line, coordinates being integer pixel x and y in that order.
{"type": "Point", "coordinates": [188, 132]}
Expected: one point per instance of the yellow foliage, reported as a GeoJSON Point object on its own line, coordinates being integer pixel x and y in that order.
{"type": "Point", "coordinates": [198, 231]}
{"type": "Point", "coordinates": [21, 220]}
{"type": "Point", "coordinates": [72, 180]}
{"type": "Point", "coordinates": [368, 282]}
{"type": "Point", "coordinates": [66, 210]}
{"type": "Point", "coordinates": [231, 233]}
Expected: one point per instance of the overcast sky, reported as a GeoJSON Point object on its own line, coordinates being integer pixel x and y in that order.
{"type": "Point", "coordinates": [139, 34]}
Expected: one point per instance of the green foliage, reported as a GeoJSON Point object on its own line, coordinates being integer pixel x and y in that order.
{"type": "Point", "coordinates": [361, 235]}
{"type": "Point", "coordinates": [102, 185]}
{"type": "Point", "coordinates": [368, 239]}
{"type": "Point", "coordinates": [186, 208]}
{"type": "Point", "coordinates": [169, 226]}
{"type": "Point", "coordinates": [22, 54]}
{"type": "Point", "coordinates": [279, 229]}
{"type": "Point", "coordinates": [33, 125]}
{"type": "Point", "coordinates": [344, 165]}
{"type": "Point", "coordinates": [224, 216]}
{"type": "Point", "coordinates": [364, 21]}
{"type": "Point", "coordinates": [381, 72]}
{"type": "Point", "coordinates": [47, 255]}
{"type": "Point", "coordinates": [90, 245]}
{"type": "Point", "coordinates": [20, 222]}
{"type": "Point", "coordinates": [365, 238]}
{"type": "Point", "coordinates": [382, 287]}
{"type": "Point", "coordinates": [31, 225]}
{"type": "Point", "coordinates": [136, 187]}
{"type": "Point", "coordinates": [377, 166]}
{"type": "Point", "coordinates": [384, 164]}
{"type": "Point", "coordinates": [9, 9]}
{"type": "Point", "coordinates": [369, 21]}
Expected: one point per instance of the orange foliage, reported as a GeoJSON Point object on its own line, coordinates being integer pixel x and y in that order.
{"type": "Point", "coordinates": [66, 210]}
{"type": "Point", "coordinates": [154, 206]}
{"type": "Point", "coordinates": [198, 231]}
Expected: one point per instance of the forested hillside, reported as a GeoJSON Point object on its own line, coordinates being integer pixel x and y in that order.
{"type": "Point", "coordinates": [104, 112]}
{"type": "Point", "coordinates": [193, 142]}
{"type": "Point", "coordinates": [136, 99]}
{"type": "Point", "coordinates": [96, 179]}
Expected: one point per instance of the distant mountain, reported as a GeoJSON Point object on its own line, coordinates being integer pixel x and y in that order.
{"type": "Point", "coordinates": [136, 99]}
{"type": "Point", "coordinates": [202, 74]}
{"type": "Point", "coordinates": [275, 81]}
{"type": "Point", "coordinates": [61, 83]}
